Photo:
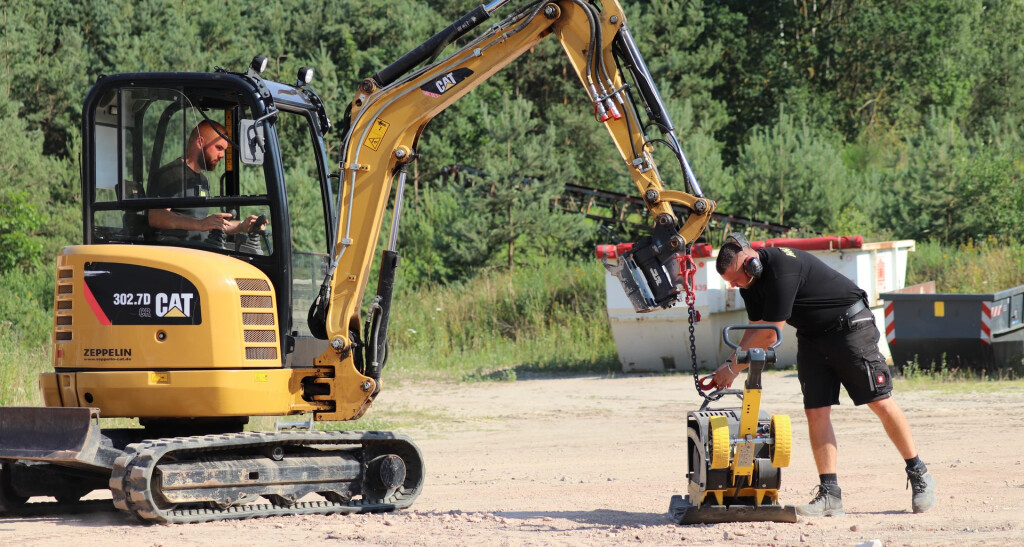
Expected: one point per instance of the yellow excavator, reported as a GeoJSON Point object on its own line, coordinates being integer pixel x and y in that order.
{"type": "Point", "coordinates": [192, 331]}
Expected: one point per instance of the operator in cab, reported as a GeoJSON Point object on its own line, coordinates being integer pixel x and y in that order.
{"type": "Point", "coordinates": [837, 345]}
{"type": "Point", "coordinates": [184, 177]}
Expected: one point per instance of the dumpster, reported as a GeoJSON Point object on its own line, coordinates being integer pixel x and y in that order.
{"type": "Point", "coordinates": [659, 341]}
{"type": "Point", "coordinates": [968, 331]}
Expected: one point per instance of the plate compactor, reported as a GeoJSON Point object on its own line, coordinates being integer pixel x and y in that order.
{"type": "Point", "coordinates": [736, 455]}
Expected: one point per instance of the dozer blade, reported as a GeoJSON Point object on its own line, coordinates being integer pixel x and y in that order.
{"type": "Point", "coordinates": [67, 436]}
{"type": "Point", "coordinates": [683, 512]}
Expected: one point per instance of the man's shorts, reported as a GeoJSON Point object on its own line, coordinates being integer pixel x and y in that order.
{"type": "Point", "coordinates": [850, 357]}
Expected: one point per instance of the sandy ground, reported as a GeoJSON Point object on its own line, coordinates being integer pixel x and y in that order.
{"type": "Point", "coordinates": [594, 461]}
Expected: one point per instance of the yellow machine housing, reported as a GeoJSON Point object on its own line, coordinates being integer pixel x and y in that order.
{"type": "Point", "coordinates": [736, 455]}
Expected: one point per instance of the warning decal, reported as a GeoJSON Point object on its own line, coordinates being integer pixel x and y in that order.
{"type": "Point", "coordinates": [373, 140]}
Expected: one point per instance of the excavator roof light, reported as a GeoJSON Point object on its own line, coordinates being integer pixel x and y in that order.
{"type": "Point", "coordinates": [258, 64]}
{"type": "Point", "coordinates": [305, 76]}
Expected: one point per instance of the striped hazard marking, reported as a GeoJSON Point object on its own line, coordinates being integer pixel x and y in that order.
{"type": "Point", "coordinates": [890, 323]}
{"type": "Point", "coordinates": [986, 318]}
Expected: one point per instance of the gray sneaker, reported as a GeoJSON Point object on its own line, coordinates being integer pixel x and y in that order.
{"type": "Point", "coordinates": [827, 502]}
{"type": "Point", "coordinates": [924, 488]}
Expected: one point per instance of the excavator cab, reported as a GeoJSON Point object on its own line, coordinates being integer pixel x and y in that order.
{"type": "Point", "coordinates": [137, 130]}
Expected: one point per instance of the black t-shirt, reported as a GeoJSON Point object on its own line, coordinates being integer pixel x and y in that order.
{"type": "Point", "coordinates": [798, 288]}
{"type": "Point", "coordinates": [177, 179]}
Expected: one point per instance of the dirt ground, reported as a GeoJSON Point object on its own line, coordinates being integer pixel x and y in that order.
{"type": "Point", "coordinates": [594, 461]}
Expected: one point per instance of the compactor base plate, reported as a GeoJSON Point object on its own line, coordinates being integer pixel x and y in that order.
{"type": "Point", "coordinates": [683, 512]}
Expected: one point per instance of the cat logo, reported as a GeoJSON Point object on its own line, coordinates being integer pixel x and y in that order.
{"type": "Point", "coordinates": [175, 304]}
{"type": "Point", "coordinates": [439, 86]}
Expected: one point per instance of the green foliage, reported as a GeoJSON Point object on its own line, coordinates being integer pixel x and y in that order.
{"type": "Point", "coordinates": [793, 173]}
{"type": "Point", "coordinates": [27, 303]}
{"type": "Point", "coordinates": [942, 375]}
{"type": "Point", "coordinates": [20, 366]}
{"type": "Point", "coordinates": [509, 202]}
{"type": "Point", "coordinates": [953, 188]}
{"type": "Point", "coordinates": [432, 249]}
{"type": "Point", "coordinates": [891, 119]}
{"type": "Point", "coordinates": [19, 225]}
{"type": "Point", "coordinates": [548, 318]}
{"type": "Point", "coordinates": [985, 266]}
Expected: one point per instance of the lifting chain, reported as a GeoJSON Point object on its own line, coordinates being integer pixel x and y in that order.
{"type": "Point", "coordinates": [689, 270]}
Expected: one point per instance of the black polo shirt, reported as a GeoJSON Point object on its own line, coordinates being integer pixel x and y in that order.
{"type": "Point", "coordinates": [798, 288]}
{"type": "Point", "coordinates": [177, 179]}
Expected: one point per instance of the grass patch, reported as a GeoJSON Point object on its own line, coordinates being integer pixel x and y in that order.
{"type": "Point", "coordinates": [549, 319]}
{"type": "Point", "coordinates": [950, 379]}
{"type": "Point", "coordinates": [20, 367]}
{"type": "Point", "coordinates": [985, 266]}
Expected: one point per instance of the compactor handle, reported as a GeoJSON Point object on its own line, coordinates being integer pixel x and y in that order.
{"type": "Point", "coordinates": [755, 358]}
{"type": "Point", "coordinates": [725, 334]}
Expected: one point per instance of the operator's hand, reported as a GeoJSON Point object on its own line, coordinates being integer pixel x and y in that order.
{"type": "Point", "coordinates": [216, 221]}
{"type": "Point", "coordinates": [251, 225]}
{"type": "Point", "coordinates": [723, 377]}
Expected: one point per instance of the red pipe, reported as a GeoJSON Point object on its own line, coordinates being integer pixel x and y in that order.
{"type": "Point", "coordinates": [704, 250]}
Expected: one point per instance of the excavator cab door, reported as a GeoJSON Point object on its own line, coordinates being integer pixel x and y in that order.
{"type": "Point", "coordinates": [139, 134]}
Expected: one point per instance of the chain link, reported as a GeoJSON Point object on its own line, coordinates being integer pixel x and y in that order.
{"type": "Point", "coordinates": [689, 271]}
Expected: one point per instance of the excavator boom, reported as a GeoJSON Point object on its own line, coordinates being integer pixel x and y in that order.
{"type": "Point", "coordinates": [391, 109]}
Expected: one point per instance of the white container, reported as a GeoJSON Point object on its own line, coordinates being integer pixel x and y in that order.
{"type": "Point", "coordinates": [659, 340]}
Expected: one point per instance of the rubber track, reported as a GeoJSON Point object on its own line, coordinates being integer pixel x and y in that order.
{"type": "Point", "coordinates": [130, 480]}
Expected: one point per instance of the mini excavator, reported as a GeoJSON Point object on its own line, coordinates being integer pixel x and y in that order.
{"type": "Point", "coordinates": [193, 333]}
{"type": "Point", "coordinates": [736, 455]}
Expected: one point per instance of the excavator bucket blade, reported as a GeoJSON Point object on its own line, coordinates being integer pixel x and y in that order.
{"type": "Point", "coordinates": [683, 512]}
{"type": "Point", "coordinates": [52, 434]}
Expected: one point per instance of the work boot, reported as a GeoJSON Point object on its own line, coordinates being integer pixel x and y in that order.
{"type": "Point", "coordinates": [924, 487]}
{"type": "Point", "coordinates": [827, 502]}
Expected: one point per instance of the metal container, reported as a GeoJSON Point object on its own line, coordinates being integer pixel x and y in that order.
{"type": "Point", "coordinates": [659, 340]}
{"type": "Point", "coordinates": [973, 331]}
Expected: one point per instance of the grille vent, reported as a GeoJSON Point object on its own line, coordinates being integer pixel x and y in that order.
{"type": "Point", "coordinates": [260, 319]}
{"type": "Point", "coordinates": [252, 284]}
{"type": "Point", "coordinates": [261, 336]}
{"type": "Point", "coordinates": [254, 301]}
{"type": "Point", "coordinates": [261, 353]}
{"type": "Point", "coordinates": [263, 301]}
{"type": "Point", "coordinates": [62, 313]}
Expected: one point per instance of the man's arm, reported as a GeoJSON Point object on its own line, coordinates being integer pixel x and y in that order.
{"type": "Point", "coordinates": [755, 338]}
{"type": "Point", "coordinates": [166, 219]}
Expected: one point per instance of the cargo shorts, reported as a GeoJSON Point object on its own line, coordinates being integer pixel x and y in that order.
{"type": "Point", "coordinates": [849, 358]}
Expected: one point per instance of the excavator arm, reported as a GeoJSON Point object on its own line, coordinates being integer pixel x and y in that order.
{"type": "Point", "coordinates": [390, 111]}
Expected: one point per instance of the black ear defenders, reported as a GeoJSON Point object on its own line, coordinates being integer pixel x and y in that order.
{"type": "Point", "coordinates": [751, 265]}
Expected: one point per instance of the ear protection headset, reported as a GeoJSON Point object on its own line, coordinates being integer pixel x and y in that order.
{"type": "Point", "coordinates": [751, 265]}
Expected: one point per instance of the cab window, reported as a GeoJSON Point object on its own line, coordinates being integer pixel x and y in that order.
{"type": "Point", "coordinates": [177, 145]}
